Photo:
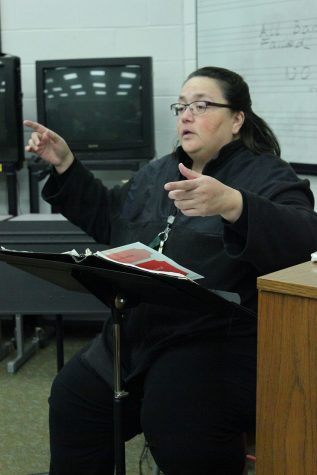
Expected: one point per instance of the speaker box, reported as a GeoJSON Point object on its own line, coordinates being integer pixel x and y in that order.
{"type": "Point", "coordinates": [11, 127]}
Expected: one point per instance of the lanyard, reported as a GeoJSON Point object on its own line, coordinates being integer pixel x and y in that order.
{"type": "Point", "coordinates": [162, 237]}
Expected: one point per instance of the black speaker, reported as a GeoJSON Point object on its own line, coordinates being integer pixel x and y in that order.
{"type": "Point", "coordinates": [11, 127]}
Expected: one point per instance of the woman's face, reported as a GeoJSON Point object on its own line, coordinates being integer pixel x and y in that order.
{"type": "Point", "coordinates": [202, 136]}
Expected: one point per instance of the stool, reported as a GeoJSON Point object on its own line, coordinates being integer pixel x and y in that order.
{"type": "Point", "coordinates": [156, 470]}
{"type": "Point", "coordinates": [249, 443]}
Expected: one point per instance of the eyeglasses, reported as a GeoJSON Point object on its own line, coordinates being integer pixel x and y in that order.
{"type": "Point", "coordinates": [196, 107]}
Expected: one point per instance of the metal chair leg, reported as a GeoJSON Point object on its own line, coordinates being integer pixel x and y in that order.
{"type": "Point", "coordinates": [155, 469]}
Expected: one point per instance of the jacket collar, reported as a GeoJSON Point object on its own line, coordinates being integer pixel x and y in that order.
{"type": "Point", "coordinates": [227, 152]}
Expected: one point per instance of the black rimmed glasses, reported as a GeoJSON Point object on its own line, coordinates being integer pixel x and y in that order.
{"type": "Point", "coordinates": [196, 107]}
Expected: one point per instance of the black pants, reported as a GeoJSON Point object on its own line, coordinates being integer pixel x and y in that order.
{"type": "Point", "coordinates": [193, 405]}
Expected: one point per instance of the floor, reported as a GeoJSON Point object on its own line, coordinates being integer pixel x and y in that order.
{"type": "Point", "coordinates": [24, 446]}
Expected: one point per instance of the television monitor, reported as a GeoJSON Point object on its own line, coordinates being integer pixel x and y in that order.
{"type": "Point", "coordinates": [11, 127]}
{"type": "Point", "coordinates": [102, 107]}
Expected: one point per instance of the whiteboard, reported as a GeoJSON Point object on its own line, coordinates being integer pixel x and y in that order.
{"type": "Point", "coordinates": [273, 45]}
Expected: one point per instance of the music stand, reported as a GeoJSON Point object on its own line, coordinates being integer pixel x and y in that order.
{"type": "Point", "coordinates": [119, 287]}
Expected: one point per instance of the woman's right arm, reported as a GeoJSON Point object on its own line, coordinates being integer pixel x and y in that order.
{"type": "Point", "coordinates": [49, 146]}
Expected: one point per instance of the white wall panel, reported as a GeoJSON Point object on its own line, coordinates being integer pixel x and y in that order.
{"type": "Point", "coordinates": [39, 14]}
{"type": "Point", "coordinates": [158, 12]}
{"type": "Point", "coordinates": [168, 77]}
{"type": "Point", "coordinates": [189, 14]}
{"type": "Point", "coordinates": [59, 44]}
{"type": "Point", "coordinates": [163, 43]}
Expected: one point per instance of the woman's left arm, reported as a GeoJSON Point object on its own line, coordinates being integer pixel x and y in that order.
{"type": "Point", "coordinates": [275, 232]}
{"type": "Point", "coordinates": [270, 229]}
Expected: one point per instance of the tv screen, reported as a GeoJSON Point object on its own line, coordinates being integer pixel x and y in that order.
{"type": "Point", "coordinates": [100, 105]}
{"type": "Point", "coordinates": [11, 128]}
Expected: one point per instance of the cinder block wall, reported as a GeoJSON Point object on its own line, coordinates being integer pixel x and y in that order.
{"type": "Point", "coordinates": [46, 29]}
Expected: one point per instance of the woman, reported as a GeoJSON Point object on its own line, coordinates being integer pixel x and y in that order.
{"type": "Point", "coordinates": [234, 211]}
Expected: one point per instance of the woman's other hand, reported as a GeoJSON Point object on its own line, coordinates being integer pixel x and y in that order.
{"type": "Point", "coordinates": [202, 195]}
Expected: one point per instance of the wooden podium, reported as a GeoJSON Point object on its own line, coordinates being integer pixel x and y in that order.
{"type": "Point", "coordinates": [286, 436]}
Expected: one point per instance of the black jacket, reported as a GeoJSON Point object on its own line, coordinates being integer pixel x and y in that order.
{"type": "Point", "coordinates": [277, 229]}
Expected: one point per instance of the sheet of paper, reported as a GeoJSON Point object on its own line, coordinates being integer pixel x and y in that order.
{"type": "Point", "coordinates": [144, 257]}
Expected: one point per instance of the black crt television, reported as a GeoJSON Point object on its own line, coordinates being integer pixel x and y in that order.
{"type": "Point", "coordinates": [11, 126]}
{"type": "Point", "coordinates": [102, 107]}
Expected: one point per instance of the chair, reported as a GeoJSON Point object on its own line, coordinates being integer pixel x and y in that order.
{"type": "Point", "coordinates": [252, 458]}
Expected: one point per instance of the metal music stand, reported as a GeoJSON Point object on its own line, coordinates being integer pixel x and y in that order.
{"type": "Point", "coordinates": [119, 287]}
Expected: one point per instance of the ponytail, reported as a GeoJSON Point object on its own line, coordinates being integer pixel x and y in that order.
{"type": "Point", "coordinates": [257, 136]}
{"type": "Point", "coordinates": [255, 133]}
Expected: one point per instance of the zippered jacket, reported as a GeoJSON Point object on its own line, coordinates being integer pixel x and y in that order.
{"type": "Point", "coordinates": [277, 229]}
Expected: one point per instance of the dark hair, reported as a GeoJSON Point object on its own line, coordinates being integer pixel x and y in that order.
{"type": "Point", "coordinates": [255, 132]}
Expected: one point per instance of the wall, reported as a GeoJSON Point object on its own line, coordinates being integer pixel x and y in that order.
{"type": "Point", "coordinates": [46, 29]}
{"type": "Point", "coordinates": [51, 29]}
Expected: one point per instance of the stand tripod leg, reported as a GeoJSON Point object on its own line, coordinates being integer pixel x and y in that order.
{"type": "Point", "coordinates": [119, 394]}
